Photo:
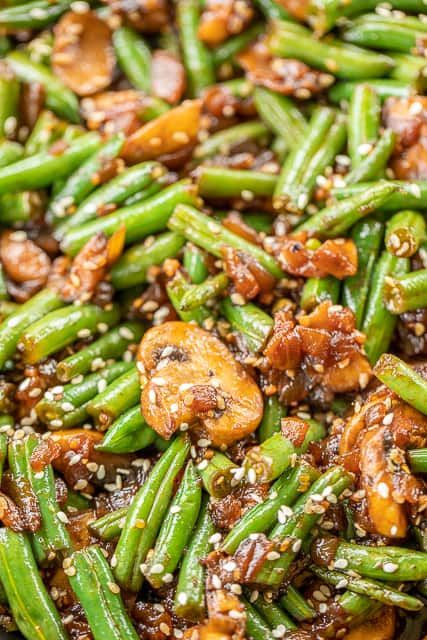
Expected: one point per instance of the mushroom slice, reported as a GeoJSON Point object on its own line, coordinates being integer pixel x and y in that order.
{"type": "Point", "coordinates": [82, 55]}
{"type": "Point", "coordinates": [188, 376]}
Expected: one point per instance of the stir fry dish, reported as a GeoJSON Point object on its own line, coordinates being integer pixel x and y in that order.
{"type": "Point", "coordinates": [213, 319]}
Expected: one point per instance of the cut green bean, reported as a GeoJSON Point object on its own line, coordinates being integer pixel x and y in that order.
{"type": "Point", "coordinates": [145, 515]}
{"type": "Point", "coordinates": [405, 233]}
{"type": "Point", "coordinates": [133, 267]}
{"type": "Point", "coordinates": [92, 581]}
{"type": "Point", "coordinates": [189, 600]}
{"type": "Point", "coordinates": [276, 618]}
{"type": "Point", "coordinates": [274, 411]}
{"type": "Point", "coordinates": [372, 166]}
{"type": "Point", "coordinates": [281, 115]}
{"type": "Point", "coordinates": [249, 320]}
{"type": "Point", "coordinates": [384, 88]}
{"type": "Point", "coordinates": [110, 526]}
{"type": "Point", "coordinates": [379, 324]}
{"type": "Point", "coordinates": [222, 142]}
{"type": "Point", "coordinates": [32, 15]}
{"type": "Point", "coordinates": [27, 314]}
{"type": "Point", "coordinates": [403, 379]}
{"type": "Point", "coordinates": [59, 98]}
{"type": "Point", "coordinates": [405, 34]}
{"type": "Point", "coordinates": [197, 58]}
{"type": "Point", "coordinates": [418, 461]}
{"type": "Point", "coordinates": [128, 433]}
{"type": "Point", "coordinates": [367, 236]}
{"type": "Point", "coordinates": [212, 236]}
{"type": "Point", "coordinates": [9, 96]}
{"type": "Point", "coordinates": [195, 264]}
{"type": "Point", "coordinates": [30, 603]}
{"type": "Point", "coordinates": [112, 344]}
{"type": "Point", "coordinates": [139, 220]}
{"type": "Point", "coordinates": [296, 605]}
{"type": "Point", "coordinates": [134, 58]}
{"type": "Point", "coordinates": [217, 475]}
{"type": "Point", "coordinates": [226, 51]}
{"type": "Point", "coordinates": [200, 294]}
{"type": "Point", "coordinates": [175, 531]}
{"type": "Point", "coordinates": [408, 195]}
{"type": "Point", "coordinates": [315, 290]}
{"type": "Point", "coordinates": [289, 40]}
{"type": "Point", "coordinates": [176, 290]}
{"type": "Point", "coordinates": [62, 327]}
{"type": "Point", "coordinates": [220, 182]}
{"type": "Point", "coordinates": [363, 121]}
{"type": "Point", "coordinates": [338, 218]}
{"type": "Point", "coordinates": [256, 627]}
{"type": "Point", "coordinates": [122, 394]}
{"type": "Point", "coordinates": [263, 516]}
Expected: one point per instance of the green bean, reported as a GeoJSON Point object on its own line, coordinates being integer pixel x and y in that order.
{"type": "Point", "coordinates": [175, 531]}
{"type": "Point", "coordinates": [41, 169]}
{"type": "Point", "coordinates": [270, 459]}
{"type": "Point", "coordinates": [263, 516]}
{"type": "Point", "coordinates": [176, 290]}
{"type": "Point", "coordinates": [256, 627]}
{"type": "Point", "coordinates": [123, 393]}
{"type": "Point", "coordinates": [59, 98]}
{"type": "Point", "coordinates": [109, 526]}
{"type": "Point", "coordinates": [220, 182]}
{"type": "Point", "coordinates": [93, 583]}
{"type": "Point", "coordinates": [111, 345]}
{"type": "Point", "coordinates": [276, 618]}
{"type": "Point", "coordinates": [3, 286]}
{"type": "Point", "coordinates": [83, 181]}
{"type": "Point", "coordinates": [357, 608]}
{"type": "Point", "coordinates": [199, 294]}
{"type": "Point", "coordinates": [128, 433]}
{"type": "Point", "coordinates": [411, 70]}
{"type": "Point", "coordinates": [76, 502]}
{"type": "Point", "coordinates": [217, 474]}
{"type": "Point", "coordinates": [367, 236]}
{"type": "Point", "coordinates": [403, 379]}
{"type": "Point", "coordinates": [226, 51]}
{"type": "Point", "coordinates": [384, 88]}
{"type": "Point", "coordinates": [212, 236]}
{"type": "Point", "coordinates": [10, 152]}
{"type": "Point", "coordinates": [273, 10]}
{"type": "Point", "coordinates": [31, 606]}
{"type": "Point", "coordinates": [363, 121]}
{"type": "Point", "coordinates": [7, 308]}
{"type": "Point", "coordinates": [274, 411]}
{"type": "Point", "coordinates": [372, 166]}
{"type": "Point", "coordinates": [404, 34]}
{"type": "Point", "coordinates": [145, 515]}
{"type": "Point", "coordinates": [197, 58]}
{"type": "Point", "coordinates": [281, 115]}
{"type": "Point", "coordinates": [296, 605]}
{"type": "Point", "coordinates": [405, 232]}
{"type": "Point", "coordinates": [195, 264]}
{"type": "Point", "coordinates": [3, 442]}
{"type": "Point", "coordinates": [418, 461]}
{"type": "Point", "coordinates": [47, 129]}
{"type": "Point", "coordinates": [139, 219]}
{"type": "Point", "coordinates": [27, 314]}
{"type": "Point", "coordinates": [189, 600]}
{"type": "Point", "coordinates": [134, 265]}
{"type": "Point", "coordinates": [408, 195]}
{"type": "Point", "coordinates": [62, 327]}
{"type": "Point", "coordinates": [51, 538]}
{"type": "Point", "coordinates": [32, 15]}
{"type": "Point", "coordinates": [69, 407]}
{"type": "Point", "coordinates": [379, 324]}
{"type": "Point", "coordinates": [343, 61]}
{"type": "Point", "coordinates": [9, 97]}
{"type": "Point", "coordinates": [381, 592]}
{"type": "Point", "coordinates": [338, 218]}
{"type": "Point", "coordinates": [315, 290]}
{"type": "Point", "coordinates": [249, 320]}
{"type": "Point", "coordinates": [308, 160]}
{"type": "Point", "coordinates": [222, 141]}
{"type": "Point", "coordinates": [394, 564]}
{"type": "Point", "coordinates": [298, 527]}
{"type": "Point", "coordinates": [134, 58]}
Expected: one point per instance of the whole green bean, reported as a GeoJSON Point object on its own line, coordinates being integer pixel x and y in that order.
{"type": "Point", "coordinates": [128, 433]}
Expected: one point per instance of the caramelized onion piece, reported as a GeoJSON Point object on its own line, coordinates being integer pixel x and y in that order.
{"type": "Point", "coordinates": [286, 76]}
{"type": "Point", "coordinates": [167, 76]}
{"type": "Point", "coordinates": [25, 264]}
{"type": "Point", "coordinates": [82, 55]}
{"type": "Point", "coordinates": [380, 627]}
{"type": "Point", "coordinates": [336, 257]}
{"type": "Point", "coordinates": [178, 362]}
{"type": "Point", "coordinates": [148, 16]}
{"type": "Point", "coordinates": [168, 134]}
{"type": "Point", "coordinates": [222, 19]}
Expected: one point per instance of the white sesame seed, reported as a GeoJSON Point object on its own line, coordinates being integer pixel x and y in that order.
{"type": "Point", "coordinates": [216, 537]}
{"type": "Point", "coordinates": [390, 567]}
{"type": "Point", "coordinates": [273, 555]}
{"type": "Point", "coordinates": [157, 568]}
{"type": "Point", "coordinates": [341, 563]}
{"type": "Point", "coordinates": [62, 517]}
{"type": "Point", "coordinates": [383, 490]}
{"type": "Point", "coordinates": [182, 598]}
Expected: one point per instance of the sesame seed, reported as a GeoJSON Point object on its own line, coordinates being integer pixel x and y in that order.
{"type": "Point", "coordinates": [216, 537]}
{"type": "Point", "coordinates": [383, 490]}
{"type": "Point", "coordinates": [216, 582]}
{"type": "Point", "coordinates": [113, 587]}
{"type": "Point", "coordinates": [62, 517]}
{"type": "Point", "coordinates": [157, 568]}
{"type": "Point", "coordinates": [167, 578]}
{"type": "Point", "coordinates": [273, 555]}
{"type": "Point", "coordinates": [341, 563]}
{"type": "Point", "coordinates": [390, 567]}
{"type": "Point", "coordinates": [182, 598]}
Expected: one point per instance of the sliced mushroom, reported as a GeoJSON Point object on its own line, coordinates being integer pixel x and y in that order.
{"type": "Point", "coordinates": [167, 76]}
{"type": "Point", "coordinates": [188, 376]}
{"type": "Point", "coordinates": [82, 55]}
